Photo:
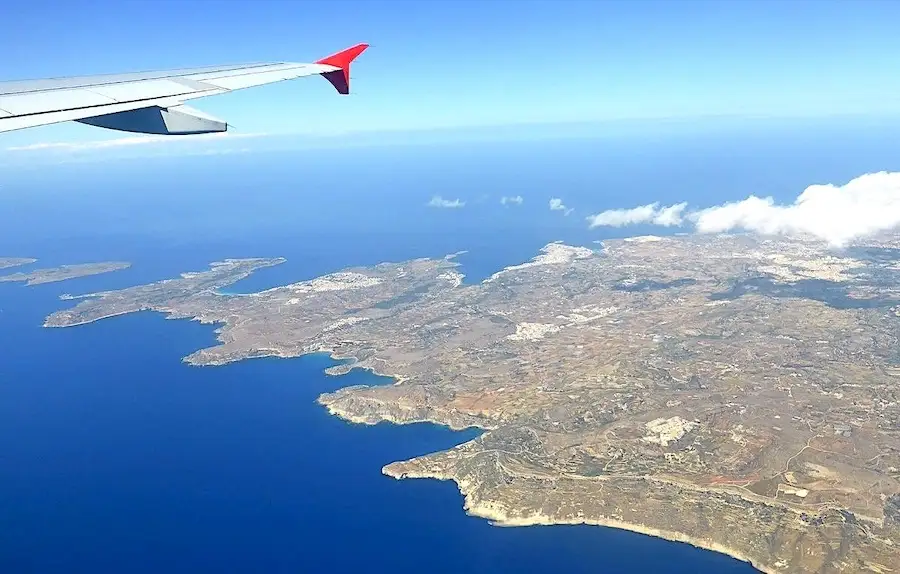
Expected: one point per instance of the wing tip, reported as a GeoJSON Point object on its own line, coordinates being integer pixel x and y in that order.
{"type": "Point", "coordinates": [344, 57]}
{"type": "Point", "coordinates": [340, 78]}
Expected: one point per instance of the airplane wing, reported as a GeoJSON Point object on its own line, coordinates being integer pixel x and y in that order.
{"type": "Point", "coordinates": [153, 102]}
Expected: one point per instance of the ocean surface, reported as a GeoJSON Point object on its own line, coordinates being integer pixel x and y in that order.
{"type": "Point", "coordinates": [116, 457]}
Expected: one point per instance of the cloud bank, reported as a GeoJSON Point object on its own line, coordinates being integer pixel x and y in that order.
{"type": "Point", "coordinates": [438, 201]}
{"type": "Point", "coordinates": [556, 204]}
{"type": "Point", "coordinates": [651, 213]}
{"type": "Point", "coordinates": [517, 200]}
{"type": "Point", "coordinates": [836, 214]}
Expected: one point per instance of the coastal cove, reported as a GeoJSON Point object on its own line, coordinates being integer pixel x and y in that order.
{"type": "Point", "coordinates": [120, 457]}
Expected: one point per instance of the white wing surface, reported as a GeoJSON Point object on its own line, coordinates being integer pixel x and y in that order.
{"type": "Point", "coordinates": [152, 102]}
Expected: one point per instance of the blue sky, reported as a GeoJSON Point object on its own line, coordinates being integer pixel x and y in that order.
{"type": "Point", "coordinates": [436, 64]}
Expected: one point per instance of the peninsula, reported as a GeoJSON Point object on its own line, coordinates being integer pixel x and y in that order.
{"type": "Point", "coordinates": [738, 393]}
{"type": "Point", "coordinates": [64, 272]}
{"type": "Point", "coordinates": [6, 262]}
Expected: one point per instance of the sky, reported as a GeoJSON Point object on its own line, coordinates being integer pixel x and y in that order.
{"type": "Point", "coordinates": [461, 64]}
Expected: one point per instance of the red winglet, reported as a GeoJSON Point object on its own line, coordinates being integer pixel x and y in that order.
{"type": "Point", "coordinates": [340, 79]}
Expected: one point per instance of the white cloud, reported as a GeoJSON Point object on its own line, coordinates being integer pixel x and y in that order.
{"type": "Point", "coordinates": [556, 204]}
{"type": "Point", "coordinates": [670, 215]}
{"type": "Point", "coordinates": [129, 141]}
{"type": "Point", "coordinates": [650, 213]}
{"type": "Point", "coordinates": [438, 201]}
{"type": "Point", "coordinates": [836, 214]}
{"type": "Point", "coordinates": [516, 200]}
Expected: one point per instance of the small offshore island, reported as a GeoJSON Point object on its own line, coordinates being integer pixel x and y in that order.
{"type": "Point", "coordinates": [55, 274]}
{"type": "Point", "coordinates": [733, 392]}
{"type": "Point", "coordinates": [6, 262]}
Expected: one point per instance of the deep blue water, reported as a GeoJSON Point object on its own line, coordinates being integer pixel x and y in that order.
{"type": "Point", "coordinates": [116, 457]}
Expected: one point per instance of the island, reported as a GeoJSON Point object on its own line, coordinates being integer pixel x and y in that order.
{"type": "Point", "coordinates": [735, 392]}
{"type": "Point", "coordinates": [6, 262]}
{"type": "Point", "coordinates": [63, 272]}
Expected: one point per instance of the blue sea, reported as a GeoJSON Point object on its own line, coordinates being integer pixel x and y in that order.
{"type": "Point", "coordinates": [116, 457]}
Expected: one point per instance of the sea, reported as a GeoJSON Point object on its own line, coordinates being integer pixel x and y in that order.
{"type": "Point", "coordinates": [117, 457]}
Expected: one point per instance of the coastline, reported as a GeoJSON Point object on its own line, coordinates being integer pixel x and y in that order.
{"type": "Point", "coordinates": [497, 516]}
{"type": "Point", "coordinates": [728, 520]}
{"type": "Point", "coordinates": [328, 400]}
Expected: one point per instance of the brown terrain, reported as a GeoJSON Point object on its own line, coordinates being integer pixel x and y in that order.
{"type": "Point", "coordinates": [737, 393]}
